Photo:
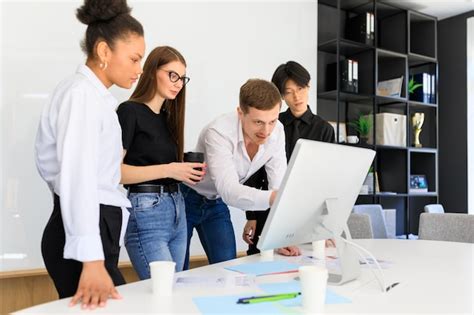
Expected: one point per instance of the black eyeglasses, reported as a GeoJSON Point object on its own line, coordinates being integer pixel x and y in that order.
{"type": "Point", "coordinates": [174, 77]}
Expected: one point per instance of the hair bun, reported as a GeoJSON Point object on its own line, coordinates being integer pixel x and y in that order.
{"type": "Point", "coordinates": [101, 10]}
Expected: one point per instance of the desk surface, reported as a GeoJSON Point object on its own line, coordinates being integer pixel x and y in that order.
{"type": "Point", "coordinates": [435, 277]}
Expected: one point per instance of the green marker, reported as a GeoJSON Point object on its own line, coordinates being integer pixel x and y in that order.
{"type": "Point", "coordinates": [268, 298]}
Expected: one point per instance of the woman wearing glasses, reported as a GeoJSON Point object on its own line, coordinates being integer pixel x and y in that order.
{"type": "Point", "coordinates": [152, 133]}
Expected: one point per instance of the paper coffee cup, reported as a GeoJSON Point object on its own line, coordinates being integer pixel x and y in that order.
{"type": "Point", "coordinates": [313, 288]}
{"type": "Point", "coordinates": [267, 254]}
{"type": "Point", "coordinates": [352, 139]}
{"type": "Point", "coordinates": [162, 276]}
{"type": "Point", "coordinates": [319, 249]}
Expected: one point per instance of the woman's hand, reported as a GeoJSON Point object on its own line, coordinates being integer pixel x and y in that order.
{"type": "Point", "coordinates": [95, 286]}
{"type": "Point", "coordinates": [289, 251]}
{"type": "Point", "coordinates": [187, 172]}
{"type": "Point", "coordinates": [249, 231]}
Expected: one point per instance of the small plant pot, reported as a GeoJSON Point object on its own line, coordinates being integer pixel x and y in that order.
{"type": "Point", "coordinates": [364, 140]}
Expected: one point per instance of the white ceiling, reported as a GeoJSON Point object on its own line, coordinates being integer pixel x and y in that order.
{"type": "Point", "coordinates": [439, 8]}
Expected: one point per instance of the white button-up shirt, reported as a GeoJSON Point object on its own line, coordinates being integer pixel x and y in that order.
{"type": "Point", "coordinates": [78, 153]}
{"type": "Point", "coordinates": [229, 165]}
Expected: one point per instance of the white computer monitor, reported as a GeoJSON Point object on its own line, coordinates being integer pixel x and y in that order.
{"type": "Point", "coordinates": [316, 196]}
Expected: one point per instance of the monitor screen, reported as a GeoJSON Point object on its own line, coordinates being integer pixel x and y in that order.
{"type": "Point", "coordinates": [317, 193]}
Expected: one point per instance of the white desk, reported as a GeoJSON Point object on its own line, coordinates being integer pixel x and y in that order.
{"type": "Point", "coordinates": [435, 277]}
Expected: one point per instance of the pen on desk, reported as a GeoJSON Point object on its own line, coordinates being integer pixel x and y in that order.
{"type": "Point", "coordinates": [268, 298]}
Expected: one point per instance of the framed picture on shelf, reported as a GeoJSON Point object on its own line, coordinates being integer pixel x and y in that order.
{"type": "Point", "coordinates": [418, 184]}
{"type": "Point", "coordinates": [342, 131]}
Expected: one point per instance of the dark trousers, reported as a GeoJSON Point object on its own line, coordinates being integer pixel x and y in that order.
{"type": "Point", "coordinates": [66, 272]}
{"type": "Point", "coordinates": [261, 217]}
{"type": "Point", "coordinates": [258, 180]}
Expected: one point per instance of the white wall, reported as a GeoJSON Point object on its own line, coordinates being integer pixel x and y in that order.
{"type": "Point", "coordinates": [224, 42]}
{"type": "Point", "coordinates": [470, 115]}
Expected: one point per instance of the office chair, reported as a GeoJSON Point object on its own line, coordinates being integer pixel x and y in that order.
{"type": "Point", "coordinates": [451, 227]}
{"type": "Point", "coordinates": [377, 218]}
{"type": "Point", "coordinates": [360, 226]}
{"type": "Point", "coordinates": [434, 208]}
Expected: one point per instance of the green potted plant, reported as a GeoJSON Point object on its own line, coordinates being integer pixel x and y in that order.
{"type": "Point", "coordinates": [363, 126]}
{"type": "Point", "coordinates": [412, 86]}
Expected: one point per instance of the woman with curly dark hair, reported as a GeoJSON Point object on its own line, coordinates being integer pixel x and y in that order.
{"type": "Point", "coordinates": [79, 152]}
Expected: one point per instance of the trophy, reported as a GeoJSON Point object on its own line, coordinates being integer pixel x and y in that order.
{"type": "Point", "coordinates": [417, 121]}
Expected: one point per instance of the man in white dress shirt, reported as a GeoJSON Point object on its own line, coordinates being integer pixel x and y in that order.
{"type": "Point", "coordinates": [235, 146]}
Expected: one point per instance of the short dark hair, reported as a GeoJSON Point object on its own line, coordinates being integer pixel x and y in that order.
{"type": "Point", "coordinates": [290, 70]}
{"type": "Point", "coordinates": [259, 94]}
{"type": "Point", "coordinates": [106, 20]}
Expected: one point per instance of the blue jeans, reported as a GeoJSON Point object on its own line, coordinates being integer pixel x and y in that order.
{"type": "Point", "coordinates": [156, 230]}
{"type": "Point", "coordinates": [211, 218]}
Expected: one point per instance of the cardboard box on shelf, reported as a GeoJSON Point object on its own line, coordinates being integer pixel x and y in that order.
{"type": "Point", "coordinates": [390, 130]}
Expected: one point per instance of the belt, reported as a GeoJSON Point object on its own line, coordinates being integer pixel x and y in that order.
{"type": "Point", "coordinates": [171, 188]}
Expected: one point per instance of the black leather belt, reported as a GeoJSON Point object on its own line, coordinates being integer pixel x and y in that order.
{"type": "Point", "coordinates": [171, 188]}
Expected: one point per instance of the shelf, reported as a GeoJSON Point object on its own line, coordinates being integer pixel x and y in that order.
{"type": "Point", "coordinates": [422, 30]}
{"type": "Point", "coordinates": [393, 107]}
{"type": "Point", "coordinates": [346, 47]}
{"type": "Point", "coordinates": [426, 194]}
{"type": "Point", "coordinates": [417, 17]}
{"type": "Point", "coordinates": [357, 6]}
{"type": "Point", "coordinates": [391, 28]}
{"type": "Point", "coordinates": [417, 204]}
{"type": "Point", "coordinates": [428, 136]}
{"type": "Point", "coordinates": [420, 105]}
{"type": "Point", "coordinates": [345, 97]}
{"type": "Point", "coordinates": [423, 150]}
{"type": "Point", "coordinates": [383, 53]}
{"type": "Point", "coordinates": [390, 147]}
{"type": "Point", "coordinates": [424, 163]}
{"type": "Point", "coordinates": [385, 10]}
{"type": "Point", "coordinates": [329, 3]}
{"type": "Point", "coordinates": [405, 45]}
{"type": "Point", "coordinates": [350, 5]}
{"type": "Point", "coordinates": [415, 60]}
{"type": "Point", "coordinates": [392, 65]}
{"type": "Point", "coordinates": [424, 73]}
{"type": "Point", "coordinates": [391, 195]}
{"type": "Point", "coordinates": [387, 100]}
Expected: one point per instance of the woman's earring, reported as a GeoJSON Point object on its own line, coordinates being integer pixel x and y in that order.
{"type": "Point", "coordinates": [103, 66]}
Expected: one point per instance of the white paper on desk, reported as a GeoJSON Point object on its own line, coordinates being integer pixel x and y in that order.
{"type": "Point", "coordinates": [304, 260]}
{"type": "Point", "coordinates": [384, 264]}
{"type": "Point", "coordinates": [332, 263]}
{"type": "Point", "coordinates": [216, 282]}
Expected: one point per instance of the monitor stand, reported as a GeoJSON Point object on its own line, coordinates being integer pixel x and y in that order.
{"type": "Point", "coordinates": [348, 257]}
{"type": "Point", "coordinates": [348, 260]}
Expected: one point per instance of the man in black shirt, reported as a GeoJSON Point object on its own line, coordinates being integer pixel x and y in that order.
{"type": "Point", "coordinates": [292, 80]}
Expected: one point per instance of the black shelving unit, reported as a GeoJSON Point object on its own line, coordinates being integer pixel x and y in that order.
{"type": "Point", "coordinates": [403, 44]}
